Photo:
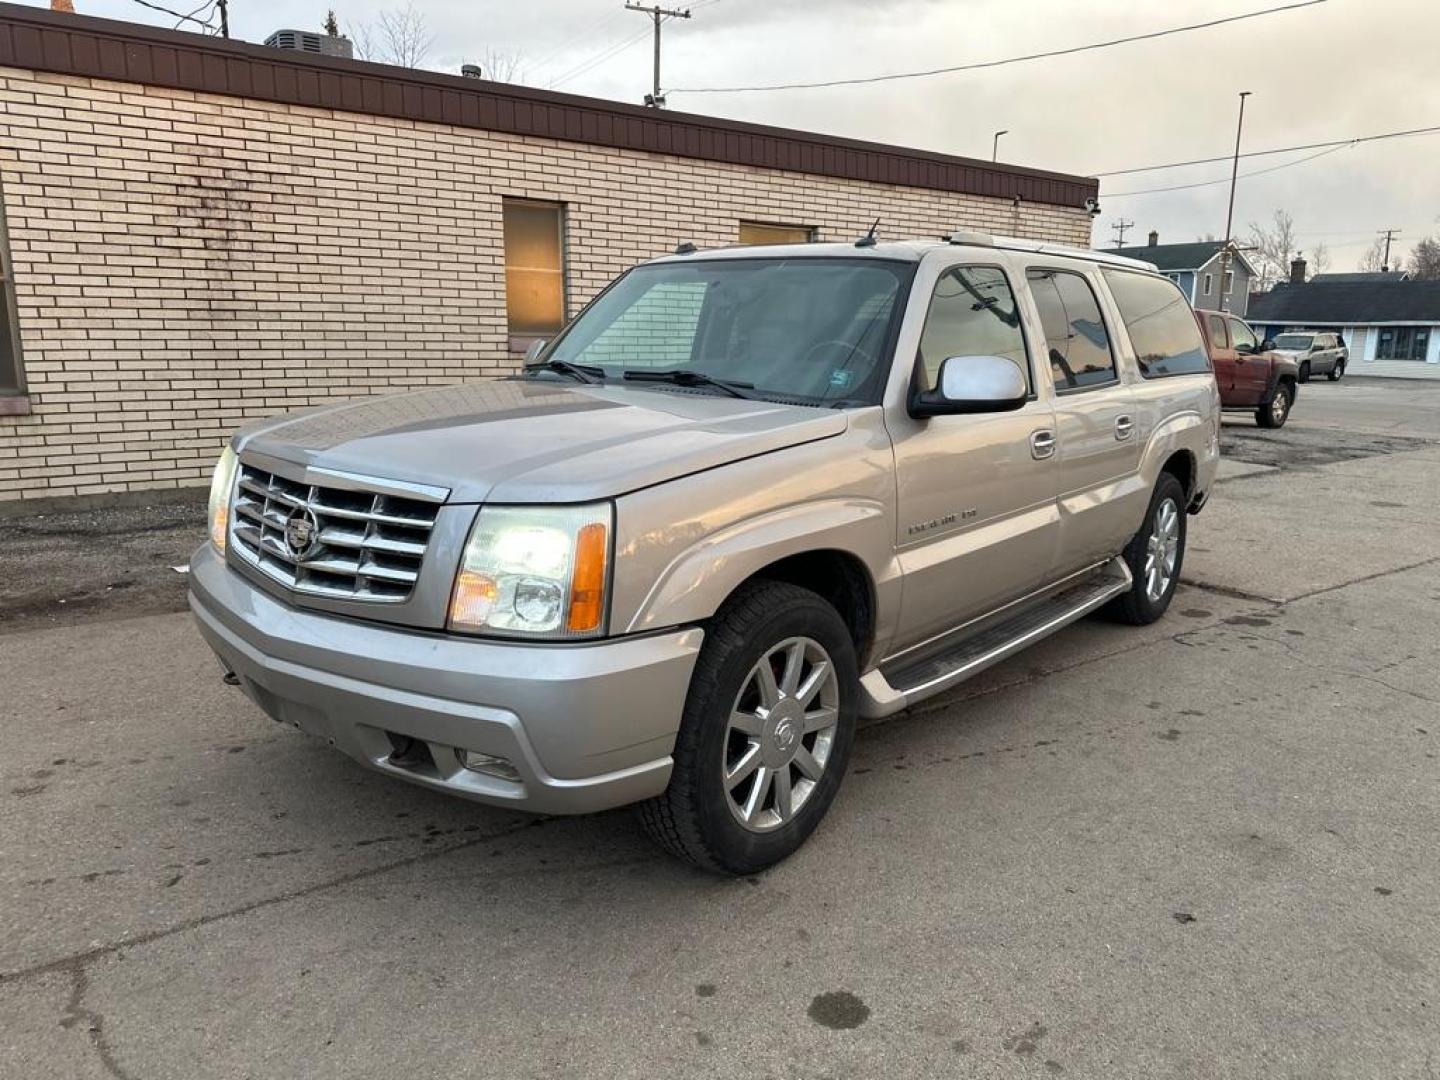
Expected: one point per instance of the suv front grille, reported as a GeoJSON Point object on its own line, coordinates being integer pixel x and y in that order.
{"type": "Point", "coordinates": [362, 545]}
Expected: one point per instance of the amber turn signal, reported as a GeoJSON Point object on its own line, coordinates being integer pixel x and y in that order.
{"type": "Point", "coordinates": [587, 584]}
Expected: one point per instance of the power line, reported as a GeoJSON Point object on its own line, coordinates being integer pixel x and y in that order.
{"type": "Point", "coordinates": [1278, 150]}
{"type": "Point", "coordinates": [1120, 228]}
{"type": "Point", "coordinates": [599, 58]}
{"type": "Point", "coordinates": [175, 14]}
{"type": "Point", "coordinates": [1225, 179]}
{"type": "Point", "coordinates": [1001, 63]}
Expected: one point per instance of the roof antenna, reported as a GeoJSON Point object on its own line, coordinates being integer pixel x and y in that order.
{"type": "Point", "coordinates": [868, 240]}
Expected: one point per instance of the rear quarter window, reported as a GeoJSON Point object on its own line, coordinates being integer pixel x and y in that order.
{"type": "Point", "coordinates": [1161, 324]}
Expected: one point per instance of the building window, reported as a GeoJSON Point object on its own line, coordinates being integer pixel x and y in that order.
{"type": "Point", "coordinates": [1402, 343]}
{"type": "Point", "coordinates": [534, 270]}
{"type": "Point", "coordinates": [1209, 280]}
{"type": "Point", "coordinates": [757, 232]}
{"type": "Point", "coordinates": [1228, 281]}
{"type": "Point", "coordinates": [12, 378]}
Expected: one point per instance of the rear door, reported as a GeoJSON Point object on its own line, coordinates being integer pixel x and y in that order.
{"type": "Point", "coordinates": [1252, 367]}
{"type": "Point", "coordinates": [1222, 356]}
{"type": "Point", "coordinates": [1095, 430]}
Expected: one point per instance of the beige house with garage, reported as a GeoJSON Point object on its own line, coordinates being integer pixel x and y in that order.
{"type": "Point", "coordinates": [198, 232]}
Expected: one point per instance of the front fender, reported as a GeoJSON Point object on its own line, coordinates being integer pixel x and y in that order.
{"type": "Point", "coordinates": [699, 578]}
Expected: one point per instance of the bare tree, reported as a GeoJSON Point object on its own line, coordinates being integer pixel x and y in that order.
{"type": "Point", "coordinates": [1425, 260]}
{"type": "Point", "coordinates": [1373, 261]}
{"type": "Point", "coordinates": [1319, 259]}
{"type": "Point", "coordinates": [503, 65]}
{"type": "Point", "coordinates": [1274, 247]}
{"type": "Point", "coordinates": [398, 36]}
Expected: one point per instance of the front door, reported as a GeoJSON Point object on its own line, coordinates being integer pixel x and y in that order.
{"type": "Point", "coordinates": [1252, 367]}
{"type": "Point", "coordinates": [1222, 356]}
{"type": "Point", "coordinates": [977, 523]}
{"type": "Point", "coordinates": [1095, 430]}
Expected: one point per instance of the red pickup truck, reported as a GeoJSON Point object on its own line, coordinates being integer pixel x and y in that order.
{"type": "Point", "coordinates": [1251, 375]}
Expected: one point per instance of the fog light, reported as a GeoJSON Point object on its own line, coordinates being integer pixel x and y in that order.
{"type": "Point", "coordinates": [488, 764]}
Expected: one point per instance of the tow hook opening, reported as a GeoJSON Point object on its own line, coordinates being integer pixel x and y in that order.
{"type": "Point", "coordinates": [230, 678]}
{"type": "Point", "coordinates": [409, 753]}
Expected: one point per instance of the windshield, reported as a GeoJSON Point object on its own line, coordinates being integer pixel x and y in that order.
{"type": "Point", "coordinates": [1294, 341]}
{"type": "Point", "coordinates": [810, 330]}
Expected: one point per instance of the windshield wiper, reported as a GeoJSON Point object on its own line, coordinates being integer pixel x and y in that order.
{"type": "Point", "coordinates": [691, 377]}
{"type": "Point", "coordinates": [586, 373]}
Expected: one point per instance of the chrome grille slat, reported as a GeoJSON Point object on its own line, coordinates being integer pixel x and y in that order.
{"type": "Point", "coordinates": [369, 545]}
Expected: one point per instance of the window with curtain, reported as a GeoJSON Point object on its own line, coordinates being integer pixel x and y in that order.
{"type": "Point", "coordinates": [534, 268]}
{"type": "Point", "coordinates": [11, 379]}
{"type": "Point", "coordinates": [757, 232]}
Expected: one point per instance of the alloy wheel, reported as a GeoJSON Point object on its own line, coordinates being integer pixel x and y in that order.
{"type": "Point", "coordinates": [1162, 550]}
{"type": "Point", "coordinates": [1279, 405]}
{"type": "Point", "coordinates": [781, 730]}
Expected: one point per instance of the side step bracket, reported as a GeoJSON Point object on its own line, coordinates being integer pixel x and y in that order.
{"type": "Point", "coordinates": [897, 686]}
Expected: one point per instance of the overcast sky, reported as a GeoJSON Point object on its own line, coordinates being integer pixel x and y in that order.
{"type": "Point", "coordinates": [1339, 69]}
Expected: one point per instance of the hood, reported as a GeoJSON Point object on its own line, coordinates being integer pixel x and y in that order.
{"type": "Point", "coordinates": [530, 441]}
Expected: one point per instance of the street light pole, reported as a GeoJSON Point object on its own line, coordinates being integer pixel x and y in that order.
{"type": "Point", "coordinates": [1230, 211]}
{"type": "Point", "coordinates": [995, 144]}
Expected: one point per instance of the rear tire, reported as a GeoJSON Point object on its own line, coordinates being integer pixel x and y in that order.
{"type": "Point", "coordinates": [757, 762]}
{"type": "Point", "coordinates": [1305, 371]}
{"type": "Point", "coordinates": [1276, 411]}
{"type": "Point", "coordinates": [1155, 555]}
{"type": "Point", "coordinates": [1336, 373]}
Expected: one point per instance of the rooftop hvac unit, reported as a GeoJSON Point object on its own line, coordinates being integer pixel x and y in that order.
{"type": "Point", "coordinates": [305, 41]}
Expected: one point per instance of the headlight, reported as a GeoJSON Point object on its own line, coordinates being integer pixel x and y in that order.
{"type": "Point", "coordinates": [535, 571]}
{"type": "Point", "coordinates": [222, 483]}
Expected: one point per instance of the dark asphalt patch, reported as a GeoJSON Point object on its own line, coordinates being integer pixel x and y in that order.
{"type": "Point", "coordinates": [61, 568]}
{"type": "Point", "coordinates": [1308, 448]}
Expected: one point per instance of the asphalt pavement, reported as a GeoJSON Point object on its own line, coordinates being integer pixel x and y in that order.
{"type": "Point", "coordinates": [1201, 849]}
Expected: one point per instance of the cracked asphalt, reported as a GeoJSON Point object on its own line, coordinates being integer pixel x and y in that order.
{"type": "Point", "coordinates": [1201, 849]}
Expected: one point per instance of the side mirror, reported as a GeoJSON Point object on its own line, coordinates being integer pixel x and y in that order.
{"type": "Point", "coordinates": [1316, 348]}
{"type": "Point", "coordinates": [972, 384]}
{"type": "Point", "coordinates": [1267, 344]}
{"type": "Point", "coordinates": [536, 348]}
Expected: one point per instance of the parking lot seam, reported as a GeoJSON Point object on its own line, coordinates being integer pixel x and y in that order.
{"type": "Point", "coordinates": [68, 963]}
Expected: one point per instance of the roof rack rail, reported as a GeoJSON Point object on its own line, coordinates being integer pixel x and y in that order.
{"type": "Point", "coordinates": [975, 239]}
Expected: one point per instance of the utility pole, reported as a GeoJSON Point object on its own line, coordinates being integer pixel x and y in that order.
{"type": "Point", "coordinates": [995, 144]}
{"type": "Point", "coordinates": [1389, 234]}
{"type": "Point", "coordinates": [1230, 212]}
{"type": "Point", "coordinates": [1120, 227]}
{"type": "Point", "coordinates": [224, 7]}
{"type": "Point", "coordinates": [654, 99]}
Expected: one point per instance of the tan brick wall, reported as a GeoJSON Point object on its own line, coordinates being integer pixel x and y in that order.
{"type": "Point", "coordinates": [185, 263]}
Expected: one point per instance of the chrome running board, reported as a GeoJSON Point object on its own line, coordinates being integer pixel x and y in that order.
{"type": "Point", "coordinates": [902, 683]}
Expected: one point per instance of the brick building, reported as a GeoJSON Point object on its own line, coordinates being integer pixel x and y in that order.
{"type": "Point", "coordinates": [196, 232]}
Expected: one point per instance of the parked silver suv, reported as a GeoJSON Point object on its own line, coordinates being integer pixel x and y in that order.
{"type": "Point", "coordinates": [747, 497]}
{"type": "Point", "coordinates": [1314, 352]}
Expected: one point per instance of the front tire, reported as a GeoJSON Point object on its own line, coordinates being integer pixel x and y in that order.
{"type": "Point", "coordinates": [1305, 371]}
{"type": "Point", "coordinates": [1276, 411]}
{"type": "Point", "coordinates": [765, 737]}
{"type": "Point", "coordinates": [1154, 555]}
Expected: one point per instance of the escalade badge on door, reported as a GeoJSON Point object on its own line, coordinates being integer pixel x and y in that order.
{"type": "Point", "coordinates": [300, 530]}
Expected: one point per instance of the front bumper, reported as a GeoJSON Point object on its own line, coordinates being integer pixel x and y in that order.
{"type": "Point", "coordinates": [586, 727]}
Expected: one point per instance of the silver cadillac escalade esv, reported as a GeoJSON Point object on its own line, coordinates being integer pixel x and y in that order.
{"type": "Point", "coordinates": [744, 499]}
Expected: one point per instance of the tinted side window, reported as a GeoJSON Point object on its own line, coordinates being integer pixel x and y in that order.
{"type": "Point", "coordinates": [1242, 334]}
{"type": "Point", "coordinates": [1217, 331]}
{"type": "Point", "coordinates": [1075, 336]}
{"type": "Point", "coordinates": [1162, 327]}
{"type": "Point", "coordinates": [972, 313]}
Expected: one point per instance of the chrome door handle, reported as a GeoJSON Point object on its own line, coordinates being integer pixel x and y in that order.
{"type": "Point", "coordinates": [1042, 444]}
{"type": "Point", "coordinates": [1124, 428]}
